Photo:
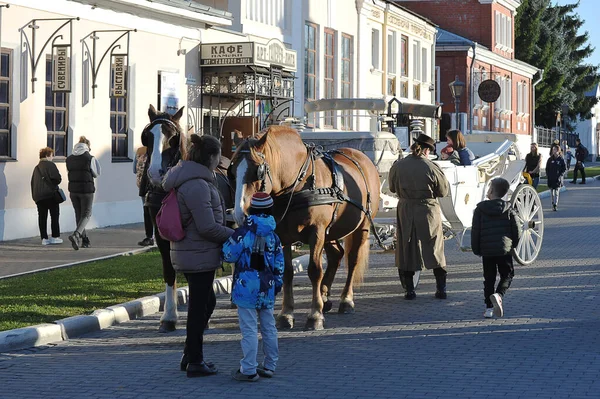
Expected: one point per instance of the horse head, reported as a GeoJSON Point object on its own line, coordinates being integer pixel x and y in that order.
{"type": "Point", "coordinates": [162, 132]}
{"type": "Point", "coordinates": [258, 165]}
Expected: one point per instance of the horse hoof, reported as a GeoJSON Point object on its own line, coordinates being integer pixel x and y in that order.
{"type": "Point", "coordinates": [285, 322]}
{"type": "Point", "coordinates": [166, 327]}
{"type": "Point", "coordinates": [327, 306]}
{"type": "Point", "coordinates": [346, 307]}
{"type": "Point", "coordinates": [314, 324]}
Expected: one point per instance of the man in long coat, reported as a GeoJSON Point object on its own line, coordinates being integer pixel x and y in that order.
{"type": "Point", "coordinates": [418, 183]}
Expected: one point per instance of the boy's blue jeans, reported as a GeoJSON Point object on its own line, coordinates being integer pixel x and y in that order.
{"type": "Point", "coordinates": [249, 329]}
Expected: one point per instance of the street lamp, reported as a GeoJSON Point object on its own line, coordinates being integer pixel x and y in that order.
{"type": "Point", "coordinates": [456, 89]}
{"type": "Point", "coordinates": [565, 114]}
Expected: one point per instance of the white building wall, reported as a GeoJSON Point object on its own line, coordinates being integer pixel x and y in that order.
{"type": "Point", "coordinates": [587, 131]}
{"type": "Point", "coordinates": [153, 48]}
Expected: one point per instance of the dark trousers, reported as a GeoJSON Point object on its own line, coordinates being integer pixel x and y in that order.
{"type": "Point", "coordinates": [201, 298]}
{"type": "Point", "coordinates": [164, 248]}
{"type": "Point", "coordinates": [82, 203]}
{"type": "Point", "coordinates": [579, 166]}
{"type": "Point", "coordinates": [43, 207]}
{"type": "Point", "coordinates": [148, 221]}
{"type": "Point", "coordinates": [493, 265]}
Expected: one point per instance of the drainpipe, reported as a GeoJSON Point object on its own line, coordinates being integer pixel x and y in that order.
{"type": "Point", "coordinates": [472, 91]}
{"type": "Point", "coordinates": [541, 71]}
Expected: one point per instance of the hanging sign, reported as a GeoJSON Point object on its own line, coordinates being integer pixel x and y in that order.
{"type": "Point", "coordinates": [275, 53]}
{"type": "Point", "coordinates": [61, 71]}
{"type": "Point", "coordinates": [118, 83]}
{"type": "Point", "coordinates": [223, 54]}
{"type": "Point", "coordinates": [489, 90]}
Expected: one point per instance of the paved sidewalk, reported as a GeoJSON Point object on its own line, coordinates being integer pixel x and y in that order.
{"type": "Point", "coordinates": [546, 346]}
{"type": "Point", "coordinates": [28, 254]}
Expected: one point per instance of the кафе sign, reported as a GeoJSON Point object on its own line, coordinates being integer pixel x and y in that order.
{"type": "Point", "coordinates": [248, 53]}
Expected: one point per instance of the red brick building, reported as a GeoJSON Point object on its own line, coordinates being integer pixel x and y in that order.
{"type": "Point", "coordinates": [475, 42]}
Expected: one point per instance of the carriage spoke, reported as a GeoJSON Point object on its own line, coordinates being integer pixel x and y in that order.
{"type": "Point", "coordinates": [535, 232]}
{"type": "Point", "coordinates": [520, 245]}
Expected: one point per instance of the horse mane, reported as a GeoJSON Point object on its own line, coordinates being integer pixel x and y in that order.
{"type": "Point", "coordinates": [270, 144]}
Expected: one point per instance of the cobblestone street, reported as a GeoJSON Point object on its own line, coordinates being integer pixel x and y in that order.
{"type": "Point", "coordinates": [547, 345]}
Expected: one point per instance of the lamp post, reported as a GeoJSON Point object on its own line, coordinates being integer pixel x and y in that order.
{"type": "Point", "coordinates": [456, 89]}
{"type": "Point", "coordinates": [565, 113]}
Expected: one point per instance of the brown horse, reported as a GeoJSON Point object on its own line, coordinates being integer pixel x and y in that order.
{"type": "Point", "coordinates": [280, 164]}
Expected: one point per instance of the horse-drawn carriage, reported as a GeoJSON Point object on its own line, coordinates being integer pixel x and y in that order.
{"type": "Point", "coordinates": [497, 155]}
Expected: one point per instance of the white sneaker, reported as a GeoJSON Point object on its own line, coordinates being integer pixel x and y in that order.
{"type": "Point", "coordinates": [45, 241]}
{"type": "Point", "coordinates": [489, 313]}
{"type": "Point", "coordinates": [497, 302]}
{"type": "Point", "coordinates": [55, 240]}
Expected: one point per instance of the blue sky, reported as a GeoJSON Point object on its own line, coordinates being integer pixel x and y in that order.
{"type": "Point", "coordinates": [591, 16]}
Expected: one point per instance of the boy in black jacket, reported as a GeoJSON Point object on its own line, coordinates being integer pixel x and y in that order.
{"type": "Point", "coordinates": [494, 234]}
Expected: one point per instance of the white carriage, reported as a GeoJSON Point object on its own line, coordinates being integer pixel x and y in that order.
{"type": "Point", "coordinates": [497, 155]}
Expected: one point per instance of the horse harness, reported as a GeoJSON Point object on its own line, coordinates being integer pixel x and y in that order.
{"type": "Point", "coordinates": [314, 195]}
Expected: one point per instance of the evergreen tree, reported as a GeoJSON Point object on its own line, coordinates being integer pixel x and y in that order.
{"type": "Point", "coordinates": [547, 37]}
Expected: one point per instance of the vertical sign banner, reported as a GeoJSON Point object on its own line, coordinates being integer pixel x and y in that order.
{"type": "Point", "coordinates": [119, 65]}
{"type": "Point", "coordinates": [169, 92]}
{"type": "Point", "coordinates": [61, 70]}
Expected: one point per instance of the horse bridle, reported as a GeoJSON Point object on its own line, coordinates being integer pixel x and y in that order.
{"type": "Point", "coordinates": [160, 121]}
{"type": "Point", "coordinates": [263, 170]}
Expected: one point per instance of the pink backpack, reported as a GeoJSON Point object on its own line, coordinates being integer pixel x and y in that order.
{"type": "Point", "coordinates": [168, 219]}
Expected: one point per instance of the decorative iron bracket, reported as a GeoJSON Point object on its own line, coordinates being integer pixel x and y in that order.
{"type": "Point", "coordinates": [30, 46]}
{"type": "Point", "coordinates": [91, 55]}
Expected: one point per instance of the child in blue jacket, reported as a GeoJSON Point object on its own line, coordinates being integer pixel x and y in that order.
{"type": "Point", "coordinates": [257, 278]}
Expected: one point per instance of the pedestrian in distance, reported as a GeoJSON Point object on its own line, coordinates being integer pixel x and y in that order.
{"type": "Point", "coordinates": [555, 171]}
{"type": "Point", "coordinates": [258, 277]}
{"type": "Point", "coordinates": [581, 154]}
{"type": "Point", "coordinates": [140, 168]}
{"type": "Point", "coordinates": [198, 254]}
{"type": "Point", "coordinates": [568, 155]}
{"type": "Point", "coordinates": [495, 232]}
{"type": "Point", "coordinates": [83, 168]}
{"type": "Point", "coordinates": [44, 188]}
{"type": "Point", "coordinates": [418, 183]}
{"type": "Point", "coordinates": [533, 162]}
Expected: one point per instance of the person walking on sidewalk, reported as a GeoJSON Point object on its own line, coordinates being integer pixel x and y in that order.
{"type": "Point", "coordinates": [83, 168]}
{"type": "Point", "coordinates": [568, 155]}
{"type": "Point", "coordinates": [198, 255]}
{"type": "Point", "coordinates": [419, 183]}
{"type": "Point", "coordinates": [555, 170]}
{"type": "Point", "coordinates": [580, 154]}
{"type": "Point", "coordinates": [257, 279]}
{"type": "Point", "coordinates": [533, 162]}
{"type": "Point", "coordinates": [494, 234]}
{"type": "Point", "coordinates": [44, 190]}
{"type": "Point", "coordinates": [140, 169]}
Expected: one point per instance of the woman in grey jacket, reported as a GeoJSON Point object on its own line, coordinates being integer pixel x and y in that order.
{"type": "Point", "coordinates": [198, 255]}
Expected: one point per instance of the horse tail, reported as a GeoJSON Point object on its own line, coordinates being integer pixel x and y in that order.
{"type": "Point", "coordinates": [357, 247]}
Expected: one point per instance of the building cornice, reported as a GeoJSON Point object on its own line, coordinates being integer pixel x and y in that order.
{"type": "Point", "coordinates": [487, 56]}
{"type": "Point", "coordinates": [512, 5]}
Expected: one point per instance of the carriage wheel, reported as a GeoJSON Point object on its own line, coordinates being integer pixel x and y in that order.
{"type": "Point", "coordinates": [527, 205]}
{"type": "Point", "coordinates": [416, 278]}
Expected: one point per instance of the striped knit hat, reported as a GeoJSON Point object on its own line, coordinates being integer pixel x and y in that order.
{"type": "Point", "coordinates": [261, 201]}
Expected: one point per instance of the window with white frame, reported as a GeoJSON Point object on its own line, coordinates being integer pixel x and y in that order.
{"type": "Point", "coordinates": [522, 98]}
{"type": "Point", "coordinates": [346, 78]}
{"type": "Point", "coordinates": [503, 31]}
{"type": "Point", "coordinates": [424, 64]}
{"type": "Point", "coordinates": [499, 105]}
{"type": "Point", "coordinates": [310, 67]}
{"type": "Point", "coordinates": [5, 94]}
{"type": "Point", "coordinates": [391, 62]}
{"type": "Point", "coordinates": [416, 61]}
{"type": "Point", "coordinates": [375, 49]}
{"type": "Point", "coordinates": [402, 90]}
{"type": "Point", "coordinates": [329, 78]}
{"type": "Point", "coordinates": [56, 115]}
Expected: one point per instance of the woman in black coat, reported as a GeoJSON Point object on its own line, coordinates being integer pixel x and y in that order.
{"type": "Point", "coordinates": [44, 187]}
{"type": "Point", "coordinates": [555, 171]}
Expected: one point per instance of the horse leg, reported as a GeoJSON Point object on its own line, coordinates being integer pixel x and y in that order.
{"type": "Point", "coordinates": [169, 318]}
{"type": "Point", "coordinates": [315, 273]}
{"type": "Point", "coordinates": [285, 318]}
{"type": "Point", "coordinates": [357, 247]}
{"type": "Point", "coordinates": [334, 253]}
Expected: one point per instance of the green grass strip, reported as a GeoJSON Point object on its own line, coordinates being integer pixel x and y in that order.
{"type": "Point", "coordinates": [52, 295]}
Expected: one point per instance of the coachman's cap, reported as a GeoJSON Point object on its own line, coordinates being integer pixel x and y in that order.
{"type": "Point", "coordinates": [261, 200]}
{"type": "Point", "coordinates": [426, 141]}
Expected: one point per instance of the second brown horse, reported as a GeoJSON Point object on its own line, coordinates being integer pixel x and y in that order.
{"type": "Point", "coordinates": [280, 164]}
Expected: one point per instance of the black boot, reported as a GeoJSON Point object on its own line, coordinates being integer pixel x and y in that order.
{"type": "Point", "coordinates": [409, 285]}
{"type": "Point", "coordinates": [440, 284]}
{"type": "Point", "coordinates": [85, 242]}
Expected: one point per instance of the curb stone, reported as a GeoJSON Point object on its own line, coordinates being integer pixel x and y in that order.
{"type": "Point", "coordinates": [70, 327]}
